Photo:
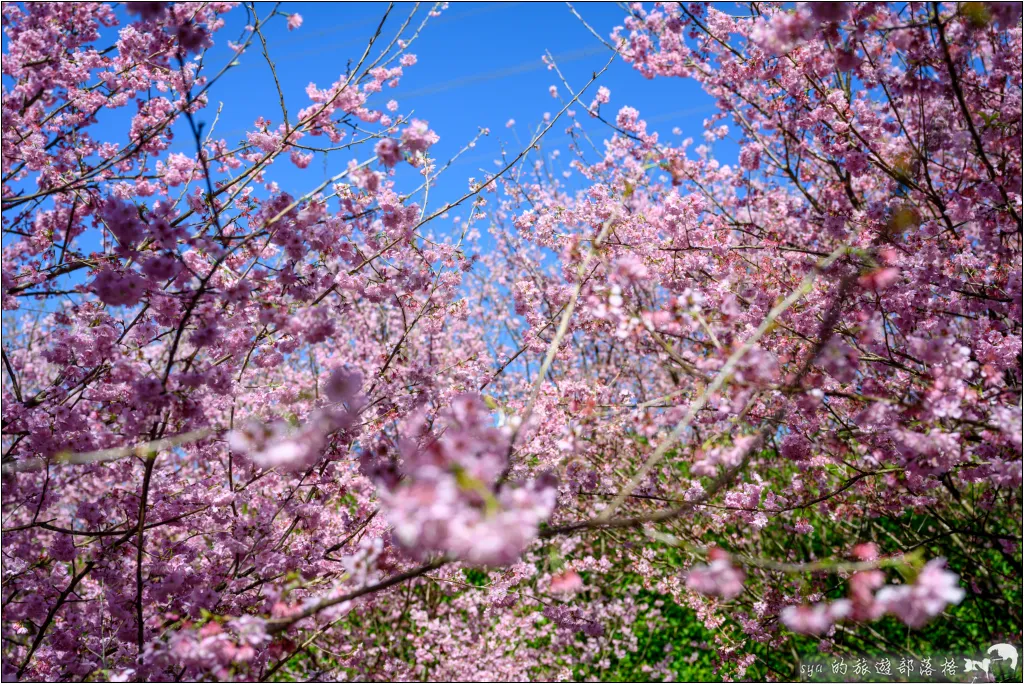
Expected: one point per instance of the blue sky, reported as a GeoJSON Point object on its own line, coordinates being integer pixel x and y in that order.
{"type": "Point", "coordinates": [479, 65]}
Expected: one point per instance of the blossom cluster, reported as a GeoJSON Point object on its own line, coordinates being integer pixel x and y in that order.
{"type": "Point", "coordinates": [450, 495]}
{"type": "Point", "coordinates": [763, 373]}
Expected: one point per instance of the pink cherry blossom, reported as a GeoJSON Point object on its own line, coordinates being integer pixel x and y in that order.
{"type": "Point", "coordinates": [932, 591]}
{"type": "Point", "coordinates": [814, 619]}
{"type": "Point", "coordinates": [718, 578]}
{"type": "Point", "coordinates": [521, 409]}
{"type": "Point", "coordinates": [566, 582]}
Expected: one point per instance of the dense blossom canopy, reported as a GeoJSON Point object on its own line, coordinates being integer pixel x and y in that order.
{"type": "Point", "coordinates": [356, 431]}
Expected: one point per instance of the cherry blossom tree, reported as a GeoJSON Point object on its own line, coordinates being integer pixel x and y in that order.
{"type": "Point", "coordinates": [254, 432]}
